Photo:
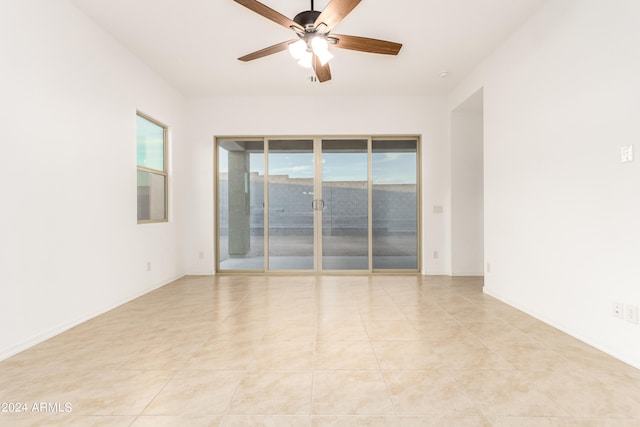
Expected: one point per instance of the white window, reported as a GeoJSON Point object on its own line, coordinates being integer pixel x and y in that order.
{"type": "Point", "coordinates": [151, 140]}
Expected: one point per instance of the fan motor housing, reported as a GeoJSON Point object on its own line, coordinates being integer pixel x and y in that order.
{"type": "Point", "coordinates": [307, 19]}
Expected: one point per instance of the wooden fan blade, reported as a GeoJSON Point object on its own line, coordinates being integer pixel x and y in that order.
{"type": "Point", "coordinates": [268, 13]}
{"type": "Point", "coordinates": [365, 44]}
{"type": "Point", "coordinates": [267, 51]}
{"type": "Point", "coordinates": [335, 12]}
{"type": "Point", "coordinates": [323, 72]}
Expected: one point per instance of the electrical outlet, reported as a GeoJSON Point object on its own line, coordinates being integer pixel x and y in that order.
{"type": "Point", "coordinates": [148, 265]}
{"type": "Point", "coordinates": [436, 255]}
{"type": "Point", "coordinates": [201, 255]}
{"type": "Point", "coordinates": [488, 267]}
{"type": "Point", "coordinates": [626, 153]}
{"type": "Point", "coordinates": [617, 310]}
{"type": "Point", "coordinates": [631, 313]}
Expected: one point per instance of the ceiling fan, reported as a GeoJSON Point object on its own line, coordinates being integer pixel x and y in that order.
{"type": "Point", "coordinates": [313, 28]}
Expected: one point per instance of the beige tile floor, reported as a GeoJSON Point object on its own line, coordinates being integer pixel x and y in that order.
{"type": "Point", "coordinates": [319, 351]}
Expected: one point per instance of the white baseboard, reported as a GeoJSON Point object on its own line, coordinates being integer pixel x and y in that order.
{"type": "Point", "coordinates": [63, 327]}
{"type": "Point", "coordinates": [593, 343]}
{"type": "Point", "coordinates": [201, 273]}
{"type": "Point", "coordinates": [436, 273]}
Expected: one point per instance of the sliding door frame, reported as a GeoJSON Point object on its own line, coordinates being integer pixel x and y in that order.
{"type": "Point", "coordinates": [317, 220]}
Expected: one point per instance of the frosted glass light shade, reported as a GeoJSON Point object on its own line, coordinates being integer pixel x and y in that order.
{"type": "Point", "coordinates": [305, 59]}
{"type": "Point", "coordinates": [319, 44]}
{"type": "Point", "coordinates": [297, 49]}
{"type": "Point", "coordinates": [320, 48]}
{"type": "Point", "coordinates": [324, 57]}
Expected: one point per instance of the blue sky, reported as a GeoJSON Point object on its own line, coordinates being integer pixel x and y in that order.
{"type": "Point", "coordinates": [150, 144]}
{"type": "Point", "coordinates": [387, 168]}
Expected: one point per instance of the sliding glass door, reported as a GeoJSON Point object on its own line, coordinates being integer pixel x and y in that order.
{"type": "Point", "coordinates": [291, 198]}
{"type": "Point", "coordinates": [240, 192]}
{"type": "Point", "coordinates": [317, 204]}
{"type": "Point", "coordinates": [395, 204]}
{"type": "Point", "coordinates": [345, 203]}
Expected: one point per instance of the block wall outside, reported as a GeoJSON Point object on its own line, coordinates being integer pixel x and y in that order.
{"type": "Point", "coordinates": [290, 206]}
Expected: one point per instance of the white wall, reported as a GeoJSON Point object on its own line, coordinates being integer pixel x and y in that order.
{"type": "Point", "coordinates": [562, 233]}
{"type": "Point", "coordinates": [561, 211]}
{"type": "Point", "coordinates": [467, 193]}
{"type": "Point", "coordinates": [70, 247]}
{"type": "Point", "coordinates": [238, 116]}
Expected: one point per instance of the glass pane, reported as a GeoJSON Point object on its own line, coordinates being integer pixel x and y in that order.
{"type": "Point", "coordinates": [241, 205]}
{"type": "Point", "coordinates": [151, 196]}
{"type": "Point", "coordinates": [291, 244]}
{"type": "Point", "coordinates": [394, 199]}
{"type": "Point", "coordinates": [345, 219]}
{"type": "Point", "coordinates": [150, 144]}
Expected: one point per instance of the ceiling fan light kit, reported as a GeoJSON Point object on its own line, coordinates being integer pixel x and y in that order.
{"type": "Point", "coordinates": [303, 50]}
{"type": "Point", "coordinates": [312, 27]}
{"type": "Point", "coordinates": [320, 48]}
{"type": "Point", "coordinates": [297, 49]}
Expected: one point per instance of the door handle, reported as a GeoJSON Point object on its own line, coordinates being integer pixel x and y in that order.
{"type": "Point", "coordinates": [314, 204]}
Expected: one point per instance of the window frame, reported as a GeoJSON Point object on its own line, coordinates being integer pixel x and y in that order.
{"type": "Point", "coordinates": [164, 172]}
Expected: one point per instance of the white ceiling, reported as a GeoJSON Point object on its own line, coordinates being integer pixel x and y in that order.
{"type": "Point", "coordinates": [194, 44]}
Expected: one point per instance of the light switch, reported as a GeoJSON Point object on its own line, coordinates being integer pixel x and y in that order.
{"type": "Point", "coordinates": [626, 153]}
